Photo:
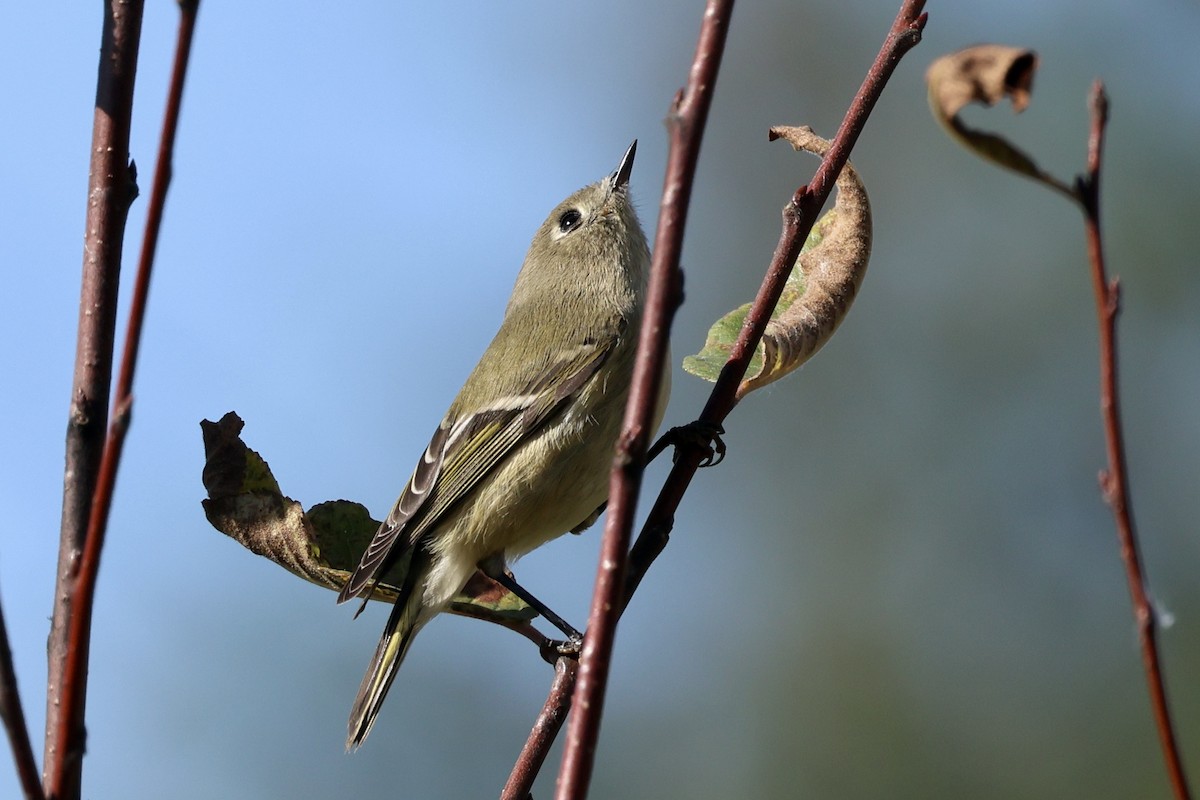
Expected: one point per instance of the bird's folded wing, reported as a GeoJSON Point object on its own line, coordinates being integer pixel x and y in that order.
{"type": "Point", "coordinates": [463, 452]}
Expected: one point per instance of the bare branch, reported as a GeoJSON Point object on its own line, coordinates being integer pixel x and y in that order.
{"type": "Point", "coordinates": [1114, 481]}
{"type": "Point", "coordinates": [545, 729]}
{"type": "Point", "coordinates": [111, 190]}
{"type": "Point", "coordinates": [685, 125]}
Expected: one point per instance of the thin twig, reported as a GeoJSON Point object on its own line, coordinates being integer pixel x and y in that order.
{"type": "Point", "coordinates": [13, 716]}
{"type": "Point", "coordinates": [1114, 481]}
{"type": "Point", "coordinates": [685, 125]}
{"type": "Point", "coordinates": [70, 737]}
{"type": "Point", "coordinates": [111, 190]}
{"type": "Point", "coordinates": [545, 729]}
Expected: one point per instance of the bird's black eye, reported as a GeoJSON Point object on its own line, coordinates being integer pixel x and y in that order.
{"type": "Point", "coordinates": [569, 221]}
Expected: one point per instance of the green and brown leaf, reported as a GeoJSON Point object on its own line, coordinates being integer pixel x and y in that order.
{"type": "Point", "coordinates": [823, 283]}
{"type": "Point", "coordinates": [321, 545]}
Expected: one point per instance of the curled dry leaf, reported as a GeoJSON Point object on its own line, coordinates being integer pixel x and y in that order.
{"type": "Point", "coordinates": [321, 545]}
{"type": "Point", "coordinates": [986, 74]}
{"type": "Point", "coordinates": [823, 284]}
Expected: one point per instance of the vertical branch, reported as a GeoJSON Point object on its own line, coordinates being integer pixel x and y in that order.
{"type": "Point", "coordinates": [13, 717]}
{"type": "Point", "coordinates": [685, 125]}
{"type": "Point", "coordinates": [111, 190]}
{"type": "Point", "coordinates": [1114, 480]}
{"type": "Point", "coordinates": [69, 738]}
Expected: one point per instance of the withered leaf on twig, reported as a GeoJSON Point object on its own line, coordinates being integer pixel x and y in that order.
{"type": "Point", "coordinates": [823, 284]}
{"type": "Point", "coordinates": [321, 545]}
{"type": "Point", "coordinates": [986, 74]}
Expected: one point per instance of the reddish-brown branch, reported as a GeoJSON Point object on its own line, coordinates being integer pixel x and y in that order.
{"type": "Point", "coordinates": [545, 729]}
{"type": "Point", "coordinates": [13, 716]}
{"type": "Point", "coordinates": [1114, 481]}
{"type": "Point", "coordinates": [685, 125]}
{"type": "Point", "coordinates": [111, 190]}
{"type": "Point", "coordinates": [63, 781]}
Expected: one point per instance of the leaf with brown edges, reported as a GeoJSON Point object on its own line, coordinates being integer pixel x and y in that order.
{"type": "Point", "coordinates": [321, 545]}
{"type": "Point", "coordinates": [818, 294]}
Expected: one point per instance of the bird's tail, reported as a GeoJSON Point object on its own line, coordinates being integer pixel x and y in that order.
{"type": "Point", "coordinates": [408, 616]}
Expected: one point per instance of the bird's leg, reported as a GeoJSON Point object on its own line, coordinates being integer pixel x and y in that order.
{"type": "Point", "coordinates": [493, 567]}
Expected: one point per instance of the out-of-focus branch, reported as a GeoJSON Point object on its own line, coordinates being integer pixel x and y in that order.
{"type": "Point", "coordinates": [1114, 481]}
{"type": "Point", "coordinates": [64, 780]}
{"type": "Point", "coordinates": [685, 127]}
{"type": "Point", "coordinates": [13, 716]}
{"type": "Point", "coordinates": [111, 190]}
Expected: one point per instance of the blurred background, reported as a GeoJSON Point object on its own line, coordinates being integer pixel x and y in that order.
{"type": "Point", "coordinates": [902, 582]}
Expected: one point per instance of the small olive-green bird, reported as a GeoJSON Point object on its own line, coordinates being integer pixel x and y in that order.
{"type": "Point", "coordinates": [524, 453]}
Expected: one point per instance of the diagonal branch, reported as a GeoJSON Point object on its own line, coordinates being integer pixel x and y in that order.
{"type": "Point", "coordinates": [545, 729]}
{"type": "Point", "coordinates": [798, 217]}
{"type": "Point", "coordinates": [685, 124]}
{"type": "Point", "coordinates": [1114, 481]}
{"type": "Point", "coordinates": [63, 780]}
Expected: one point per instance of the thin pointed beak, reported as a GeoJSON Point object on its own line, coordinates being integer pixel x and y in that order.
{"type": "Point", "coordinates": [620, 178]}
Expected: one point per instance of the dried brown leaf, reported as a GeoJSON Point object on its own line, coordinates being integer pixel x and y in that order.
{"type": "Point", "coordinates": [831, 272]}
{"type": "Point", "coordinates": [987, 74]}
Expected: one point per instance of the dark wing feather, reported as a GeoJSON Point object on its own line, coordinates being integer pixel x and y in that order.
{"type": "Point", "coordinates": [487, 437]}
{"type": "Point", "coordinates": [415, 493]}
